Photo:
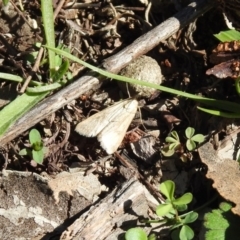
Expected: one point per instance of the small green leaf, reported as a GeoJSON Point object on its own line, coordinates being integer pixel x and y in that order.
{"type": "Point", "coordinates": [198, 138]}
{"type": "Point", "coordinates": [167, 152]}
{"type": "Point", "coordinates": [189, 132]}
{"type": "Point", "coordinates": [191, 217]}
{"type": "Point", "coordinates": [34, 136]}
{"type": "Point", "coordinates": [181, 208]}
{"type": "Point", "coordinates": [164, 209]}
{"type": "Point", "coordinates": [168, 188]}
{"type": "Point", "coordinates": [186, 233]}
{"type": "Point", "coordinates": [173, 145]}
{"type": "Point", "coordinates": [190, 144]}
{"type": "Point", "coordinates": [184, 199]}
{"type": "Point", "coordinates": [228, 36]}
{"type": "Point", "coordinates": [136, 234]}
{"type": "Point", "coordinates": [23, 152]}
{"type": "Point", "coordinates": [38, 156]}
{"type": "Point", "coordinates": [171, 140]}
{"type": "Point", "coordinates": [225, 206]}
{"type": "Point", "coordinates": [175, 135]}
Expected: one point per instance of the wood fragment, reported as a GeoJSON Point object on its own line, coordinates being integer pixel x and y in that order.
{"type": "Point", "coordinates": [106, 219]}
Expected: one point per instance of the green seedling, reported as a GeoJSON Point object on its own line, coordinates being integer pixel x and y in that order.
{"type": "Point", "coordinates": [175, 144]}
{"type": "Point", "coordinates": [192, 139]}
{"type": "Point", "coordinates": [36, 150]}
{"type": "Point", "coordinates": [169, 211]}
{"type": "Point", "coordinates": [171, 208]}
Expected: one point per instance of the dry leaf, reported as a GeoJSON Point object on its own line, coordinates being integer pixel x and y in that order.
{"type": "Point", "coordinates": [225, 174]}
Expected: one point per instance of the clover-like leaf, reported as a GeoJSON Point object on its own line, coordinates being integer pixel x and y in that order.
{"type": "Point", "coordinates": [191, 217]}
{"type": "Point", "coordinates": [164, 209]}
{"type": "Point", "coordinates": [167, 188]}
{"type": "Point", "coordinates": [199, 138]}
{"type": "Point", "coordinates": [175, 135]}
{"type": "Point", "coordinates": [186, 233]}
{"type": "Point", "coordinates": [174, 145]}
{"type": "Point", "coordinates": [190, 144]}
{"type": "Point", "coordinates": [184, 199]}
{"type": "Point", "coordinates": [171, 140]}
{"type": "Point", "coordinates": [189, 132]}
{"type": "Point", "coordinates": [181, 208]}
{"type": "Point", "coordinates": [167, 152]}
{"type": "Point", "coordinates": [136, 233]}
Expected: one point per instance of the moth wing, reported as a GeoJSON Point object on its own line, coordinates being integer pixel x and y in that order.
{"type": "Point", "coordinates": [112, 135]}
{"type": "Point", "coordinates": [93, 125]}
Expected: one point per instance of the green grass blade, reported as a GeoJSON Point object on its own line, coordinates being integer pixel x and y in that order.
{"type": "Point", "coordinates": [228, 36]}
{"type": "Point", "coordinates": [48, 23]}
{"type": "Point", "coordinates": [220, 113]}
{"type": "Point", "coordinates": [45, 88]}
{"type": "Point", "coordinates": [19, 106]}
{"type": "Point", "coordinates": [224, 105]}
{"type": "Point", "coordinates": [11, 77]}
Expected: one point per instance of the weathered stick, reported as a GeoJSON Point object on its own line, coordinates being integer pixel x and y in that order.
{"type": "Point", "coordinates": [106, 219]}
{"type": "Point", "coordinates": [113, 64]}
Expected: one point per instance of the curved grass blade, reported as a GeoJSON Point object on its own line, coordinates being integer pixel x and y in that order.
{"type": "Point", "coordinates": [224, 105]}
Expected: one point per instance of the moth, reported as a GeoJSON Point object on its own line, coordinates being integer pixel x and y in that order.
{"type": "Point", "coordinates": [109, 125]}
